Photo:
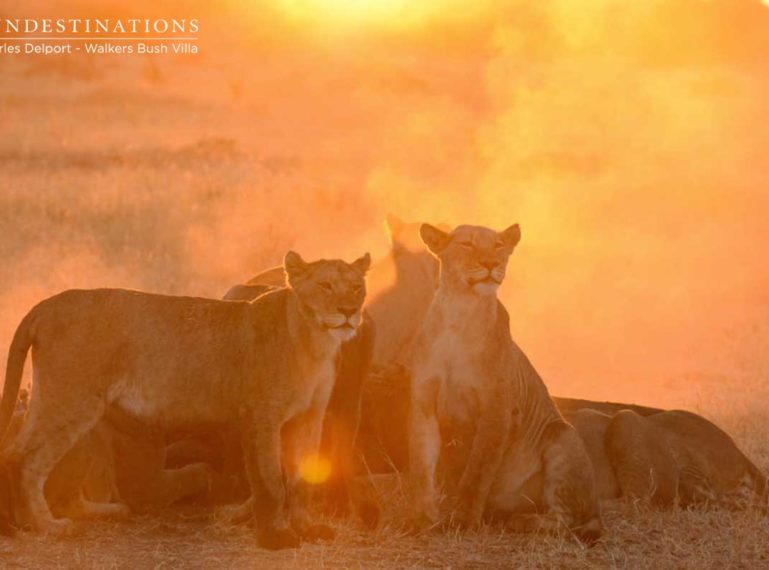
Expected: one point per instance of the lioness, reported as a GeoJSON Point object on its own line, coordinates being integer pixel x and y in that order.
{"type": "Point", "coordinates": [406, 280]}
{"type": "Point", "coordinates": [409, 275]}
{"type": "Point", "coordinates": [666, 458]}
{"type": "Point", "coordinates": [179, 361]}
{"type": "Point", "coordinates": [471, 382]}
{"type": "Point", "coordinates": [398, 309]}
{"type": "Point", "coordinates": [343, 412]}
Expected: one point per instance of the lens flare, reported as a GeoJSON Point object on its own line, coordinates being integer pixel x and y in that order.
{"type": "Point", "coordinates": [314, 469]}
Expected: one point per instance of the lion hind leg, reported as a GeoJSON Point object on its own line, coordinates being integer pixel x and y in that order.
{"type": "Point", "coordinates": [49, 433]}
{"type": "Point", "coordinates": [629, 455]}
{"type": "Point", "coordinates": [569, 494]}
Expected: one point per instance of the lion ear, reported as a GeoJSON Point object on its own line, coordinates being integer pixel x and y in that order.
{"type": "Point", "coordinates": [362, 264]}
{"type": "Point", "coordinates": [511, 236]}
{"type": "Point", "coordinates": [295, 266]}
{"type": "Point", "coordinates": [435, 239]}
{"type": "Point", "coordinates": [394, 227]}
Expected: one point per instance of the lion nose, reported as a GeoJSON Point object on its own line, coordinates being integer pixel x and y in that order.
{"type": "Point", "coordinates": [489, 264]}
{"type": "Point", "coordinates": [348, 311]}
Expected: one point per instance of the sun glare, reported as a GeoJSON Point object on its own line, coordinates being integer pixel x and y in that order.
{"type": "Point", "coordinates": [314, 469]}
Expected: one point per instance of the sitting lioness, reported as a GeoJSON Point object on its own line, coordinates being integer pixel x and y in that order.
{"type": "Point", "coordinates": [472, 383]}
{"type": "Point", "coordinates": [411, 275]}
{"type": "Point", "coordinates": [178, 361]}
{"type": "Point", "coordinates": [667, 458]}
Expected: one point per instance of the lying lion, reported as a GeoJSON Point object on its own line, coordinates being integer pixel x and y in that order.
{"type": "Point", "coordinates": [117, 467]}
{"type": "Point", "coordinates": [667, 458]}
{"type": "Point", "coordinates": [177, 361]}
{"type": "Point", "coordinates": [664, 457]}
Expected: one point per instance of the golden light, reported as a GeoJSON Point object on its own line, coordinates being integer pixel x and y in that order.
{"type": "Point", "coordinates": [314, 469]}
{"type": "Point", "coordinates": [347, 11]}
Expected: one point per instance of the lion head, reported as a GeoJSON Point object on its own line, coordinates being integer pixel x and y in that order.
{"type": "Point", "coordinates": [472, 258]}
{"type": "Point", "coordinates": [330, 292]}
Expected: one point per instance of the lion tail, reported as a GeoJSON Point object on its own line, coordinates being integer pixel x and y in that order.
{"type": "Point", "coordinates": [17, 355]}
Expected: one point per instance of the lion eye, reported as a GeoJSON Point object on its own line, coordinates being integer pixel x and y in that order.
{"type": "Point", "coordinates": [326, 287]}
{"type": "Point", "coordinates": [499, 245]}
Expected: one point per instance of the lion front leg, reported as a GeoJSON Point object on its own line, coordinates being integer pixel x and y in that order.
{"type": "Point", "coordinates": [424, 451]}
{"type": "Point", "coordinates": [342, 416]}
{"type": "Point", "coordinates": [306, 470]}
{"type": "Point", "coordinates": [491, 438]}
{"type": "Point", "coordinates": [262, 451]}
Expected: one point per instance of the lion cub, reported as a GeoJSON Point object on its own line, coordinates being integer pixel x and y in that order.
{"type": "Point", "coordinates": [473, 385]}
{"type": "Point", "coordinates": [175, 362]}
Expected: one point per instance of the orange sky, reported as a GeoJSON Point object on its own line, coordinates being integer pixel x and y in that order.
{"type": "Point", "coordinates": [628, 139]}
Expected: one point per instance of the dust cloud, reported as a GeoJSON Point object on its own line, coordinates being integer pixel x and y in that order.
{"type": "Point", "coordinates": [629, 140]}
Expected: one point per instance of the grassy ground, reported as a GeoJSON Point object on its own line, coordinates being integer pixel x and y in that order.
{"type": "Point", "coordinates": [678, 539]}
{"type": "Point", "coordinates": [641, 189]}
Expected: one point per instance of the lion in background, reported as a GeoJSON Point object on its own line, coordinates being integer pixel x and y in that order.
{"type": "Point", "coordinates": [117, 467]}
{"type": "Point", "coordinates": [667, 458]}
{"type": "Point", "coordinates": [178, 361]}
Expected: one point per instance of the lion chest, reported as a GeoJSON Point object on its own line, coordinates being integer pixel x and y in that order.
{"type": "Point", "coordinates": [458, 369]}
{"type": "Point", "coordinates": [313, 388]}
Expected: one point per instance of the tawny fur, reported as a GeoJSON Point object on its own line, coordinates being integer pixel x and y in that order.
{"type": "Point", "coordinates": [407, 278]}
{"type": "Point", "coordinates": [177, 361]}
{"type": "Point", "coordinates": [342, 419]}
{"type": "Point", "coordinates": [472, 383]}
{"type": "Point", "coordinates": [117, 466]}
{"type": "Point", "coordinates": [671, 457]}
{"type": "Point", "coordinates": [399, 309]}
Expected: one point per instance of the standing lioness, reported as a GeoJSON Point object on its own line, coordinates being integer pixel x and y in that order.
{"type": "Point", "coordinates": [266, 366]}
{"type": "Point", "coordinates": [472, 384]}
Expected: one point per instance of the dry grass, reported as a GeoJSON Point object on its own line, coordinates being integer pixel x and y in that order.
{"type": "Point", "coordinates": [677, 539]}
{"type": "Point", "coordinates": [642, 275]}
